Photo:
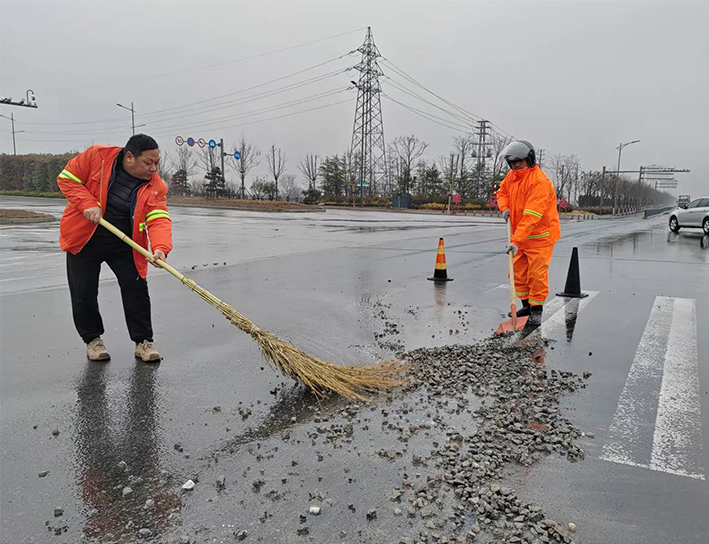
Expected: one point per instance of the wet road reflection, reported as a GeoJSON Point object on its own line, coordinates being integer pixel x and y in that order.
{"type": "Point", "coordinates": [118, 449]}
{"type": "Point", "coordinates": [571, 313]}
{"type": "Point", "coordinates": [656, 244]}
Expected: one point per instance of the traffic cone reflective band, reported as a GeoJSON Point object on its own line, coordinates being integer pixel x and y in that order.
{"type": "Point", "coordinates": [440, 273]}
{"type": "Point", "coordinates": [573, 279]}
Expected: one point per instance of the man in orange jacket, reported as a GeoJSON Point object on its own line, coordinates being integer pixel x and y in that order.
{"type": "Point", "coordinates": [122, 186]}
{"type": "Point", "coordinates": [527, 198]}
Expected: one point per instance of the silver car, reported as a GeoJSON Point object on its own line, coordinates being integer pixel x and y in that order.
{"type": "Point", "coordinates": [694, 215]}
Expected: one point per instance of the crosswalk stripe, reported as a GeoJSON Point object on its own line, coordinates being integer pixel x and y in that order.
{"type": "Point", "coordinates": [557, 320]}
{"type": "Point", "coordinates": [650, 428]}
{"type": "Point", "coordinates": [556, 312]}
{"type": "Point", "coordinates": [677, 442]}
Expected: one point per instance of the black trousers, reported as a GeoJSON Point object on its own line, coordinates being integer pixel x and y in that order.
{"type": "Point", "coordinates": [83, 274]}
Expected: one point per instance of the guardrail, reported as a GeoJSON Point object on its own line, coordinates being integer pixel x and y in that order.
{"type": "Point", "coordinates": [649, 212]}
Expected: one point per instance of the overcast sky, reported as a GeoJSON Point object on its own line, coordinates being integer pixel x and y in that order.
{"type": "Point", "coordinates": [570, 76]}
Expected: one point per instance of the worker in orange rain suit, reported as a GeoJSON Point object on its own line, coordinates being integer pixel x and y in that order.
{"type": "Point", "coordinates": [122, 186]}
{"type": "Point", "coordinates": [527, 198]}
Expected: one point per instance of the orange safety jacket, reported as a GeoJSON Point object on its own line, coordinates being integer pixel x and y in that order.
{"type": "Point", "coordinates": [85, 181]}
{"type": "Point", "coordinates": [531, 199]}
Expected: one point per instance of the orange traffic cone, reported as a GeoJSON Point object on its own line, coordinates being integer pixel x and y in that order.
{"type": "Point", "coordinates": [440, 273]}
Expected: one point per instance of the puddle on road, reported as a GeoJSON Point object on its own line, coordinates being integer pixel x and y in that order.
{"type": "Point", "coordinates": [655, 244]}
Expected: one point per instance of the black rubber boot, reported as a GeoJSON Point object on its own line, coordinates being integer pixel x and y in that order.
{"type": "Point", "coordinates": [525, 310]}
{"type": "Point", "coordinates": [535, 317]}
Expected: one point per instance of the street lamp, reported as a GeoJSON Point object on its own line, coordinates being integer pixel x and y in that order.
{"type": "Point", "coordinates": [132, 114]}
{"type": "Point", "coordinates": [617, 173]}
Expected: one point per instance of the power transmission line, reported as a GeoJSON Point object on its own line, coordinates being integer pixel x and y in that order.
{"type": "Point", "coordinates": [413, 94]}
{"type": "Point", "coordinates": [156, 112]}
{"type": "Point", "coordinates": [428, 116]}
{"type": "Point", "coordinates": [233, 61]}
{"type": "Point", "coordinates": [245, 100]}
{"type": "Point", "coordinates": [209, 122]}
{"type": "Point", "coordinates": [80, 139]}
{"type": "Point", "coordinates": [462, 110]}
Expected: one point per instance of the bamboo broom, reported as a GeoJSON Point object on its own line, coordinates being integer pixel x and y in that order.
{"type": "Point", "coordinates": [320, 376]}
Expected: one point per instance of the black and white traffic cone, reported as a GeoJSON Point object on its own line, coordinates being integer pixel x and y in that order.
{"type": "Point", "coordinates": [573, 280]}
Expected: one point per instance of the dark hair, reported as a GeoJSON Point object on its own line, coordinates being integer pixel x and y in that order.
{"type": "Point", "coordinates": [139, 143]}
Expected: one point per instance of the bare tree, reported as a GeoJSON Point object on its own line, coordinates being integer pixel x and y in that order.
{"type": "Point", "coordinates": [185, 161]}
{"type": "Point", "coordinates": [250, 159]}
{"type": "Point", "coordinates": [290, 188]}
{"type": "Point", "coordinates": [565, 168]}
{"type": "Point", "coordinates": [463, 147]}
{"type": "Point", "coordinates": [310, 168]}
{"type": "Point", "coordinates": [166, 166]}
{"type": "Point", "coordinates": [206, 159]}
{"type": "Point", "coordinates": [448, 165]}
{"type": "Point", "coordinates": [276, 161]}
{"type": "Point", "coordinates": [258, 188]}
{"type": "Point", "coordinates": [350, 171]}
{"type": "Point", "coordinates": [409, 149]}
{"type": "Point", "coordinates": [499, 165]}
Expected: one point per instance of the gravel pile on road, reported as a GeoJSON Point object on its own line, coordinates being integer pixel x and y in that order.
{"type": "Point", "coordinates": [518, 422]}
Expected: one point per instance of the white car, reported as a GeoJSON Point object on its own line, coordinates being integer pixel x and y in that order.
{"type": "Point", "coordinates": [694, 215]}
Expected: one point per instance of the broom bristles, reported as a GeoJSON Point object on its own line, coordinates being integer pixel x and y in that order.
{"type": "Point", "coordinates": [319, 376]}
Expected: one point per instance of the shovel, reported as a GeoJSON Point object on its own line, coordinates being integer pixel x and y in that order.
{"type": "Point", "coordinates": [516, 323]}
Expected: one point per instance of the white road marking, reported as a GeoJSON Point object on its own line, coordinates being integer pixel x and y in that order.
{"type": "Point", "coordinates": [502, 286]}
{"type": "Point", "coordinates": [657, 423]}
{"type": "Point", "coordinates": [677, 442]}
{"type": "Point", "coordinates": [557, 320]}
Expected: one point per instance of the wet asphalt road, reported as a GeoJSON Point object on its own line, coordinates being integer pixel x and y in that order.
{"type": "Point", "coordinates": [345, 286]}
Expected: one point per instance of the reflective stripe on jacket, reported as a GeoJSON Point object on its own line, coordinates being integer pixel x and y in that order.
{"type": "Point", "coordinates": [531, 199]}
{"type": "Point", "coordinates": [85, 180]}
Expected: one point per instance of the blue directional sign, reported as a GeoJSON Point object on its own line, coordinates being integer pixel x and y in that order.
{"type": "Point", "coordinates": [212, 144]}
{"type": "Point", "coordinates": [190, 142]}
{"type": "Point", "coordinates": [237, 155]}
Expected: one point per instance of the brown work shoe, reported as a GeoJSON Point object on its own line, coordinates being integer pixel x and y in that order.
{"type": "Point", "coordinates": [146, 352]}
{"type": "Point", "coordinates": [96, 350]}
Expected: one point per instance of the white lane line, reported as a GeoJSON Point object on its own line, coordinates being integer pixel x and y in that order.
{"type": "Point", "coordinates": [677, 442]}
{"type": "Point", "coordinates": [630, 433]}
{"type": "Point", "coordinates": [501, 286]}
{"type": "Point", "coordinates": [668, 342]}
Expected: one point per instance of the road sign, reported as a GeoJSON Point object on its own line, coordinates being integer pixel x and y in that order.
{"type": "Point", "coordinates": [190, 142]}
{"type": "Point", "coordinates": [201, 142]}
{"type": "Point", "coordinates": [237, 155]}
{"type": "Point", "coordinates": [179, 140]}
{"type": "Point", "coordinates": [360, 184]}
{"type": "Point", "coordinates": [212, 144]}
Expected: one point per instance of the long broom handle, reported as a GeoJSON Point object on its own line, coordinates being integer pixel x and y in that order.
{"type": "Point", "coordinates": [140, 249]}
{"type": "Point", "coordinates": [510, 264]}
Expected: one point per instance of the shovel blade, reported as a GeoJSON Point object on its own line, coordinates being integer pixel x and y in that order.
{"type": "Point", "coordinates": [514, 324]}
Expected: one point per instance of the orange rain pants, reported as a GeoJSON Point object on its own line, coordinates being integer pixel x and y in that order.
{"type": "Point", "coordinates": [531, 266]}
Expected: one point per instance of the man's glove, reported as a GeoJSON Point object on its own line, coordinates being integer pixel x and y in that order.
{"type": "Point", "coordinates": [506, 214]}
{"type": "Point", "coordinates": [511, 248]}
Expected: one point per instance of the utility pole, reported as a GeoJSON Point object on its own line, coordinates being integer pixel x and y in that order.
{"type": "Point", "coordinates": [132, 114]}
{"type": "Point", "coordinates": [615, 192]}
{"type": "Point", "coordinates": [482, 144]}
{"type": "Point", "coordinates": [368, 128]}
{"type": "Point", "coordinates": [12, 119]}
{"type": "Point", "coordinates": [222, 153]}
{"type": "Point", "coordinates": [600, 192]}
